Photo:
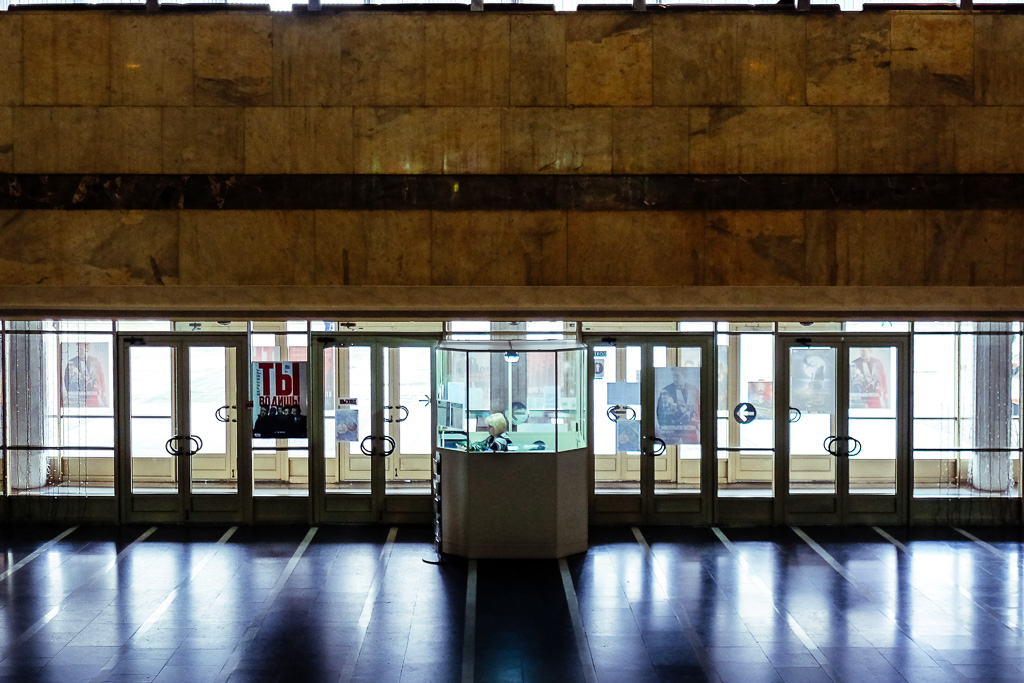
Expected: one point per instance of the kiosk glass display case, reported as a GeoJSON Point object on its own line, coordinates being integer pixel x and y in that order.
{"type": "Point", "coordinates": [539, 391]}
{"type": "Point", "coordinates": [511, 448]}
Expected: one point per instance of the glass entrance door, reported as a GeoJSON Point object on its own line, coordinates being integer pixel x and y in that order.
{"type": "Point", "coordinates": [653, 403]}
{"type": "Point", "coordinates": [373, 439]}
{"type": "Point", "coordinates": [844, 445]}
{"type": "Point", "coordinates": [182, 428]}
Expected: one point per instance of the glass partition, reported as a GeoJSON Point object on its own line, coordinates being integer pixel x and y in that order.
{"type": "Point", "coordinates": [966, 410]}
{"type": "Point", "coordinates": [511, 396]}
{"type": "Point", "coordinates": [59, 407]}
{"type": "Point", "coordinates": [746, 411]}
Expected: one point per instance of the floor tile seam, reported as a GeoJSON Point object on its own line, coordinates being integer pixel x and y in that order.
{"type": "Point", "coordinates": [265, 607]}
{"type": "Point", "coordinates": [368, 605]}
{"type": "Point", "coordinates": [899, 623]}
{"type": "Point", "coordinates": [679, 610]}
{"type": "Point", "coordinates": [794, 624]}
{"type": "Point", "coordinates": [56, 609]}
{"type": "Point", "coordinates": [992, 612]}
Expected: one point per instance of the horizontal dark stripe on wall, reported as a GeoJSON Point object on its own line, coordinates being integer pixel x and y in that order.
{"type": "Point", "coordinates": [511, 192]}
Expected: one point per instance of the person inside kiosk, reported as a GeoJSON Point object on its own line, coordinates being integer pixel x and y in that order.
{"type": "Point", "coordinates": [497, 434]}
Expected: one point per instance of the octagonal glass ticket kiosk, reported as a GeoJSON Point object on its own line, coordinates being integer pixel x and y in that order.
{"type": "Point", "coordinates": [510, 466]}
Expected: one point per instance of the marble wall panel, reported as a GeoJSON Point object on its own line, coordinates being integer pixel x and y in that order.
{"type": "Point", "coordinates": [307, 60]}
{"type": "Point", "coordinates": [848, 59]}
{"type": "Point", "coordinates": [87, 140]}
{"type": "Point", "coordinates": [398, 140]}
{"type": "Point", "coordinates": [374, 248]}
{"type": "Point", "coordinates": [151, 60]}
{"type": "Point", "coordinates": [651, 140]}
{"type": "Point", "coordinates": [708, 59]}
{"type": "Point", "coordinates": [66, 58]}
{"type": "Point", "coordinates": [762, 140]}
{"type": "Point", "coordinates": [984, 139]}
{"type": "Point", "coordinates": [120, 248]}
{"type": "Point", "coordinates": [31, 245]}
{"type": "Point", "coordinates": [932, 59]}
{"type": "Point", "coordinates": [472, 139]}
{"type": "Point", "coordinates": [233, 58]}
{"type": "Point", "coordinates": [537, 75]}
{"type": "Point", "coordinates": [83, 248]}
{"type": "Point", "coordinates": [879, 248]}
{"type": "Point", "coordinates": [754, 248]}
{"type": "Point", "coordinates": [11, 57]}
{"type": "Point", "coordinates": [6, 140]}
{"type": "Point", "coordinates": [484, 248]}
{"type": "Point", "coordinates": [608, 59]}
{"type": "Point", "coordinates": [246, 248]}
{"type": "Point", "coordinates": [468, 60]}
{"type": "Point", "coordinates": [203, 140]}
{"type": "Point", "coordinates": [820, 267]}
{"type": "Point", "coordinates": [998, 76]}
{"type": "Point", "coordinates": [557, 140]}
{"type": "Point", "coordinates": [636, 248]}
{"type": "Point", "coordinates": [298, 140]}
{"type": "Point", "coordinates": [969, 247]}
{"type": "Point", "coordinates": [895, 139]}
{"type": "Point", "coordinates": [384, 60]}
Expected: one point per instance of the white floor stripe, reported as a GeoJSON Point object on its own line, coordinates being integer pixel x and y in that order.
{"type": "Point", "coordinates": [368, 605]}
{"type": "Point", "coordinates": [778, 608]}
{"type": "Point", "coordinates": [692, 637]}
{"type": "Point", "coordinates": [987, 546]}
{"type": "Point", "coordinates": [37, 552]}
{"type": "Point", "coordinates": [154, 617]}
{"type": "Point", "coordinates": [469, 630]}
{"type": "Point", "coordinates": [268, 604]}
{"type": "Point", "coordinates": [935, 655]}
{"type": "Point", "coordinates": [946, 581]}
{"type": "Point", "coordinates": [49, 616]}
{"type": "Point", "coordinates": [582, 643]}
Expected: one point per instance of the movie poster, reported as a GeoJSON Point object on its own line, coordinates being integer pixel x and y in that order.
{"type": "Point", "coordinates": [627, 436]}
{"type": "Point", "coordinates": [279, 400]}
{"type": "Point", "coordinates": [677, 413]}
{"type": "Point", "coordinates": [761, 395]}
{"type": "Point", "coordinates": [346, 422]}
{"type": "Point", "coordinates": [869, 377]}
{"type": "Point", "coordinates": [85, 374]}
{"type": "Point", "coordinates": [813, 377]}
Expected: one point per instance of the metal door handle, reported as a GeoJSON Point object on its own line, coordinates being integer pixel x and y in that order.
{"type": "Point", "coordinates": [172, 450]}
{"type": "Point", "coordinates": [401, 419]}
{"type": "Point", "coordinates": [389, 445]}
{"type": "Point", "coordinates": [856, 449]}
{"type": "Point", "coordinates": [658, 442]}
{"type": "Point", "coordinates": [196, 442]}
{"type": "Point", "coordinates": [222, 414]}
{"type": "Point", "coordinates": [830, 444]}
{"type": "Point", "coordinates": [362, 445]}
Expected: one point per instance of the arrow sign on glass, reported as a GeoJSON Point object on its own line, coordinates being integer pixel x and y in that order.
{"type": "Point", "coordinates": [744, 413]}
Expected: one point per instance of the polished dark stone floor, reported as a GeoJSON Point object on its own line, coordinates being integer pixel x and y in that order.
{"type": "Point", "coordinates": [657, 603]}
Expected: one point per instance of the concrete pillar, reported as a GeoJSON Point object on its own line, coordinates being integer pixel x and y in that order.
{"type": "Point", "coordinates": [993, 408]}
{"type": "Point", "coordinates": [27, 409]}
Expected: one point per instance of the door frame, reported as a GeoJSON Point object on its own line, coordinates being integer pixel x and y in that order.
{"type": "Point", "coordinates": [848, 508]}
{"type": "Point", "coordinates": [377, 505]}
{"type": "Point", "coordinates": [180, 506]}
{"type": "Point", "coordinates": [650, 507]}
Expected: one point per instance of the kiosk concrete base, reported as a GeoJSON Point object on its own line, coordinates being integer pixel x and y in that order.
{"type": "Point", "coordinates": [513, 505]}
